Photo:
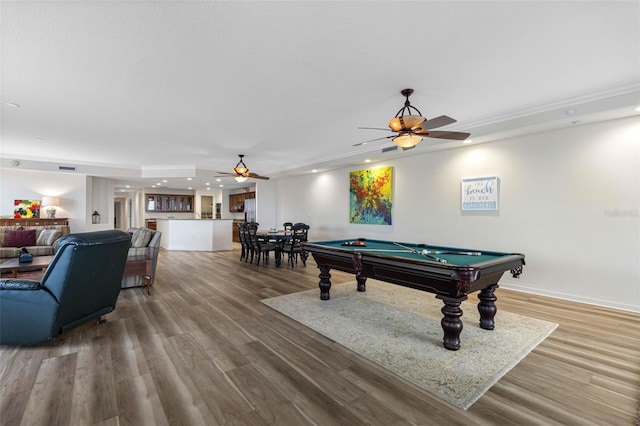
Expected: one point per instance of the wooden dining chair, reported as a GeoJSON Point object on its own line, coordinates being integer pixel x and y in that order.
{"type": "Point", "coordinates": [293, 247]}
{"type": "Point", "coordinates": [244, 244]}
{"type": "Point", "coordinates": [260, 247]}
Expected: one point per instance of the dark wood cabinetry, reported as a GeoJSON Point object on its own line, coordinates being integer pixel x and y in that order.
{"type": "Point", "coordinates": [236, 201]}
{"type": "Point", "coordinates": [34, 221]}
{"type": "Point", "coordinates": [235, 235]}
{"type": "Point", "coordinates": [169, 203]}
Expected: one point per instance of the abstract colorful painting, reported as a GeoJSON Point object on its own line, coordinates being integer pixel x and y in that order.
{"type": "Point", "coordinates": [26, 209]}
{"type": "Point", "coordinates": [371, 196]}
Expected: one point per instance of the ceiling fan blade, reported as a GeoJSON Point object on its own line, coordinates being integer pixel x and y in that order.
{"type": "Point", "coordinates": [373, 140]}
{"type": "Point", "coordinates": [443, 120]}
{"type": "Point", "coordinates": [256, 176]}
{"type": "Point", "coordinates": [375, 128]}
{"type": "Point", "coordinates": [458, 136]}
{"type": "Point", "coordinates": [220, 174]}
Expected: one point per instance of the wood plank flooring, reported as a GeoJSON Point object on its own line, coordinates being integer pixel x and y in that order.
{"type": "Point", "coordinates": [203, 350]}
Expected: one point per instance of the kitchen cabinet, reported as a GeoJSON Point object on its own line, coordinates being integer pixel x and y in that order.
{"type": "Point", "coordinates": [236, 201]}
{"type": "Point", "coordinates": [177, 203]}
{"type": "Point", "coordinates": [235, 233]}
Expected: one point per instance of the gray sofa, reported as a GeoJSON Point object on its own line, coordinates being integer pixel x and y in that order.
{"type": "Point", "coordinates": [39, 241]}
{"type": "Point", "coordinates": [142, 258]}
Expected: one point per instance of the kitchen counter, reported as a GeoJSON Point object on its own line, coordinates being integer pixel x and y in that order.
{"type": "Point", "coordinates": [195, 234]}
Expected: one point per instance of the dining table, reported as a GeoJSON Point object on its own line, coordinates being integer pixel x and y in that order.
{"type": "Point", "coordinates": [277, 236]}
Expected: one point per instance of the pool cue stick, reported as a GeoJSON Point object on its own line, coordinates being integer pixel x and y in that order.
{"type": "Point", "coordinates": [464, 253]}
{"type": "Point", "coordinates": [422, 252]}
{"type": "Point", "coordinates": [382, 250]}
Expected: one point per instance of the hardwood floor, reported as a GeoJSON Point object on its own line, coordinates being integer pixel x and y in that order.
{"type": "Point", "coordinates": [203, 350]}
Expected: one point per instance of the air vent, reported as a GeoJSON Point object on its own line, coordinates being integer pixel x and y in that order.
{"type": "Point", "coordinates": [67, 168]}
{"type": "Point", "coordinates": [390, 148]}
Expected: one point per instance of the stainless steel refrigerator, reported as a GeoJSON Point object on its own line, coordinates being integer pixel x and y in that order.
{"type": "Point", "coordinates": [250, 210]}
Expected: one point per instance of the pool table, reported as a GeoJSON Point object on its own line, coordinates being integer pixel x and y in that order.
{"type": "Point", "coordinates": [450, 273]}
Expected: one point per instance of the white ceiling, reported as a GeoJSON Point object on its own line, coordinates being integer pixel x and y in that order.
{"type": "Point", "coordinates": [146, 89]}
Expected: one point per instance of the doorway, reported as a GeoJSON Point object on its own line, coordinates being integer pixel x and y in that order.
{"type": "Point", "coordinates": [206, 206]}
{"type": "Point", "coordinates": [119, 214]}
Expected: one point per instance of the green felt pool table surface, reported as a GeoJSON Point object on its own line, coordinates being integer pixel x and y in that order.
{"type": "Point", "coordinates": [388, 248]}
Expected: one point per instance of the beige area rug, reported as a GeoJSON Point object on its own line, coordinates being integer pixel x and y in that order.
{"type": "Point", "coordinates": [399, 328]}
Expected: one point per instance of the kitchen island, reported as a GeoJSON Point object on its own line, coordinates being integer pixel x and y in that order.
{"type": "Point", "coordinates": [195, 234]}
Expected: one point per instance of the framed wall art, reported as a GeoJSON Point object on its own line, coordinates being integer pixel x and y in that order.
{"type": "Point", "coordinates": [480, 193]}
{"type": "Point", "coordinates": [25, 209]}
{"type": "Point", "coordinates": [371, 196]}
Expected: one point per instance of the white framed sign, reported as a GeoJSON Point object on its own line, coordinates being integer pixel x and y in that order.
{"type": "Point", "coordinates": [480, 193]}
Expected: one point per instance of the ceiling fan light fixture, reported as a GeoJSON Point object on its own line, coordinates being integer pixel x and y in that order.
{"type": "Point", "coordinates": [407, 140]}
{"type": "Point", "coordinates": [241, 172]}
{"type": "Point", "coordinates": [410, 126]}
{"type": "Point", "coordinates": [406, 122]}
{"type": "Point", "coordinates": [241, 168]}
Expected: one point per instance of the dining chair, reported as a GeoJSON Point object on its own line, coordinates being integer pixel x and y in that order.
{"type": "Point", "coordinates": [287, 226]}
{"type": "Point", "coordinates": [244, 254]}
{"type": "Point", "coordinates": [293, 247]}
{"type": "Point", "coordinates": [251, 246]}
{"type": "Point", "coordinates": [260, 247]}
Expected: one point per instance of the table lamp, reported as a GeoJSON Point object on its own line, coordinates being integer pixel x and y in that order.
{"type": "Point", "coordinates": [50, 203]}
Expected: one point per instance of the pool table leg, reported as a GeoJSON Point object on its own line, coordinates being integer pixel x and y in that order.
{"type": "Point", "coordinates": [357, 266]}
{"type": "Point", "coordinates": [487, 307]}
{"type": "Point", "coordinates": [451, 322]}
{"type": "Point", "coordinates": [325, 282]}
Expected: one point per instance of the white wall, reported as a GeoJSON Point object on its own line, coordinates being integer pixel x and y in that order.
{"type": "Point", "coordinates": [71, 188]}
{"type": "Point", "coordinates": [569, 200]}
{"type": "Point", "coordinates": [266, 202]}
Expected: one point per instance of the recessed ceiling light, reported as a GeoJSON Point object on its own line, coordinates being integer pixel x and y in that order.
{"type": "Point", "coordinates": [207, 184]}
{"type": "Point", "coordinates": [367, 160]}
{"type": "Point", "coordinates": [220, 185]}
{"type": "Point", "coordinates": [218, 180]}
{"type": "Point", "coordinates": [159, 184]}
{"type": "Point", "coordinates": [189, 179]}
{"type": "Point", "coordinates": [637, 108]}
{"type": "Point", "coordinates": [164, 180]}
{"type": "Point", "coordinates": [314, 171]}
{"type": "Point", "coordinates": [189, 188]}
{"type": "Point", "coordinates": [127, 186]}
{"type": "Point", "coordinates": [208, 187]}
{"type": "Point", "coordinates": [12, 105]}
{"type": "Point", "coordinates": [467, 141]}
{"type": "Point", "coordinates": [153, 186]}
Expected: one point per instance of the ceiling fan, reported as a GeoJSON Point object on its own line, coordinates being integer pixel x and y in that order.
{"type": "Point", "coordinates": [241, 172]}
{"type": "Point", "coordinates": [410, 129]}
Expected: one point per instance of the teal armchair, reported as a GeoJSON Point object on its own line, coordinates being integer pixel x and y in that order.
{"type": "Point", "coordinates": [81, 283]}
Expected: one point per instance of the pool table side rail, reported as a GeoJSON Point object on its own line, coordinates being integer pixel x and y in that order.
{"type": "Point", "coordinates": [500, 257]}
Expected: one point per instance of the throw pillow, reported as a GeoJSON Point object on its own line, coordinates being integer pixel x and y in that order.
{"type": "Point", "coordinates": [141, 237]}
{"type": "Point", "coordinates": [48, 236]}
{"type": "Point", "coordinates": [19, 237]}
